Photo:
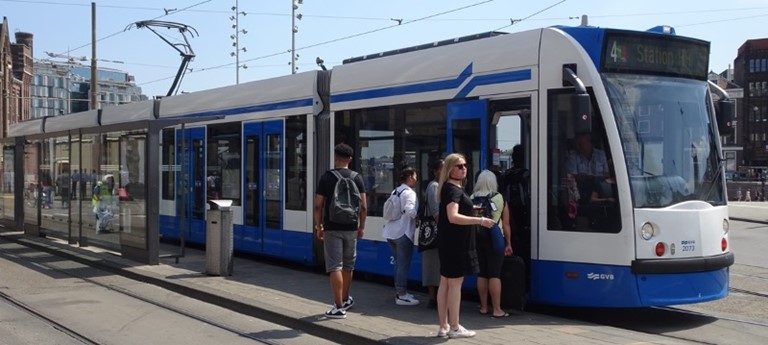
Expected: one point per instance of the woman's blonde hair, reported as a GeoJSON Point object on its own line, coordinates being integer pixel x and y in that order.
{"type": "Point", "coordinates": [448, 163]}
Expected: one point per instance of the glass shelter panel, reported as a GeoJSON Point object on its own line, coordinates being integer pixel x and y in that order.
{"type": "Point", "coordinates": [56, 166]}
{"type": "Point", "coordinates": [7, 188]}
{"type": "Point", "coordinates": [32, 159]}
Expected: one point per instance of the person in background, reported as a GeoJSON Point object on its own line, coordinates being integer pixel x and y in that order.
{"type": "Point", "coordinates": [339, 240]}
{"type": "Point", "coordinates": [400, 234]}
{"type": "Point", "coordinates": [94, 179]}
{"type": "Point", "coordinates": [456, 246]}
{"type": "Point", "coordinates": [47, 190]}
{"type": "Point", "coordinates": [489, 278]}
{"type": "Point", "coordinates": [63, 181]}
{"type": "Point", "coordinates": [84, 179]}
{"type": "Point", "coordinates": [430, 261]}
{"type": "Point", "coordinates": [586, 159]}
{"type": "Point", "coordinates": [75, 180]}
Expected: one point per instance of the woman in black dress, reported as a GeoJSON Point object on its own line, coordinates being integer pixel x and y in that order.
{"type": "Point", "coordinates": [456, 246]}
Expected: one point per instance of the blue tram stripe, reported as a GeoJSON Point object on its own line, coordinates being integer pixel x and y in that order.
{"type": "Point", "coordinates": [405, 89]}
{"type": "Point", "coordinates": [496, 78]}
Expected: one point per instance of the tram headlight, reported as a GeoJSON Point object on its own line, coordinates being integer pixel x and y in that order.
{"type": "Point", "coordinates": [647, 231]}
{"type": "Point", "coordinates": [726, 225]}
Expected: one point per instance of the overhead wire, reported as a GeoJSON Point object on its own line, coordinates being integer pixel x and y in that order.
{"type": "Point", "coordinates": [120, 32]}
{"type": "Point", "coordinates": [335, 40]}
{"type": "Point", "coordinates": [426, 18]}
{"type": "Point", "coordinates": [514, 21]}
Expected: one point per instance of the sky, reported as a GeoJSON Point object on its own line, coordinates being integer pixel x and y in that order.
{"type": "Point", "coordinates": [335, 30]}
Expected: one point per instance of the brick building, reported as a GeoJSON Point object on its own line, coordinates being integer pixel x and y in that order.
{"type": "Point", "coordinates": [751, 72]}
{"type": "Point", "coordinates": [16, 69]}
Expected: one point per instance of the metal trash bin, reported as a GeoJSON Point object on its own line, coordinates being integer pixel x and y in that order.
{"type": "Point", "coordinates": [218, 238]}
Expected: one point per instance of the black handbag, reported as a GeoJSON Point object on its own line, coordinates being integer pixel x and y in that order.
{"type": "Point", "coordinates": [427, 230]}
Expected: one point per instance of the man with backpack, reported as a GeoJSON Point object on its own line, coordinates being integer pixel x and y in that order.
{"type": "Point", "coordinates": [339, 217]}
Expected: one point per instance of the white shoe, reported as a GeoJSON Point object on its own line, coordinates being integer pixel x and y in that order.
{"type": "Point", "coordinates": [406, 299]}
{"type": "Point", "coordinates": [443, 332]}
{"type": "Point", "coordinates": [461, 332]}
{"type": "Point", "coordinates": [336, 313]}
{"type": "Point", "coordinates": [347, 304]}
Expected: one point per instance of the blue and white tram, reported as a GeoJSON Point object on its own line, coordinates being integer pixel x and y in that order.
{"type": "Point", "coordinates": [256, 152]}
{"type": "Point", "coordinates": [640, 99]}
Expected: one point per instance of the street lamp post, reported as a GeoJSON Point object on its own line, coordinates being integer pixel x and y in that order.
{"type": "Point", "coordinates": [236, 38]}
{"type": "Point", "coordinates": [294, 29]}
{"type": "Point", "coordinates": [756, 112]}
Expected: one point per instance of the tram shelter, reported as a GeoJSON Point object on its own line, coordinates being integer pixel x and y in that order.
{"type": "Point", "coordinates": [51, 166]}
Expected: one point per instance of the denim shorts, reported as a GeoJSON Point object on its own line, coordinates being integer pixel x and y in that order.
{"type": "Point", "coordinates": [340, 250]}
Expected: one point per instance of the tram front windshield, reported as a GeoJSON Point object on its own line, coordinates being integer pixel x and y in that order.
{"type": "Point", "coordinates": [668, 139]}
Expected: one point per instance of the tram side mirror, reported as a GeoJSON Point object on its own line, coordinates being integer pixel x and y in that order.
{"type": "Point", "coordinates": [725, 113]}
{"type": "Point", "coordinates": [581, 110]}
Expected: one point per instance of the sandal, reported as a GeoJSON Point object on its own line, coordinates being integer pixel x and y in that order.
{"type": "Point", "coordinates": [505, 315]}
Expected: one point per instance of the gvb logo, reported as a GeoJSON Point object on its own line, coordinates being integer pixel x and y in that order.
{"type": "Point", "coordinates": [599, 276]}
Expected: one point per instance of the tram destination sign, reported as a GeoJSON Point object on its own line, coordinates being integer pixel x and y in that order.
{"type": "Point", "coordinates": [643, 53]}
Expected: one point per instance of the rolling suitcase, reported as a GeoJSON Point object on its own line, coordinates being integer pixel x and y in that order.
{"type": "Point", "coordinates": [513, 282]}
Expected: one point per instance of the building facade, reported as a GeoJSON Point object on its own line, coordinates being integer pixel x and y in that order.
{"type": "Point", "coordinates": [15, 77]}
{"type": "Point", "coordinates": [751, 72]}
{"type": "Point", "coordinates": [732, 145]}
{"type": "Point", "coordinates": [64, 87]}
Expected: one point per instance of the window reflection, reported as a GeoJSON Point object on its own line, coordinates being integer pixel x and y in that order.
{"type": "Point", "coordinates": [388, 138]}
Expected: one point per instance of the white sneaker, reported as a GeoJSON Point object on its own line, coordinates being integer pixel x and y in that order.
{"type": "Point", "coordinates": [348, 303]}
{"type": "Point", "coordinates": [442, 333]}
{"type": "Point", "coordinates": [461, 332]}
{"type": "Point", "coordinates": [336, 313]}
{"type": "Point", "coordinates": [406, 299]}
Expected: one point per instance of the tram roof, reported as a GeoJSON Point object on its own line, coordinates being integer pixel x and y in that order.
{"type": "Point", "coordinates": [425, 46]}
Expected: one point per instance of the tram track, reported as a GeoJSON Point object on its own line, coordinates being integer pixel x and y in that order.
{"type": "Point", "coordinates": [712, 316]}
{"type": "Point", "coordinates": [180, 311]}
{"type": "Point", "coordinates": [53, 323]}
{"type": "Point", "coordinates": [748, 292]}
{"type": "Point", "coordinates": [74, 334]}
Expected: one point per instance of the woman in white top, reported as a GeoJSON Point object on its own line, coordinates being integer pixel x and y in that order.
{"type": "Point", "coordinates": [400, 234]}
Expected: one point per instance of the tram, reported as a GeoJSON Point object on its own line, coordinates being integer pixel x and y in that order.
{"type": "Point", "coordinates": [636, 105]}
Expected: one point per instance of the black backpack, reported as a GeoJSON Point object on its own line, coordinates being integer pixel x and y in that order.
{"type": "Point", "coordinates": [344, 205]}
{"type": "Point", "coordinates": [487, 205]}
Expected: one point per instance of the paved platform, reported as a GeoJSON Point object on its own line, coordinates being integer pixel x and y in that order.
{"type": "Point", "coordinates": [755, 211]}
{"type": "Point", "coordinates": [298, 298]}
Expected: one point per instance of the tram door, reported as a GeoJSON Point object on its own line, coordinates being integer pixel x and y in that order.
{"type": "Point", "coordinates": [190, 186]}
{"type": "Point", "coordinates": [468, 122]}
{"type": "Point", "coordinates": [263, 185]}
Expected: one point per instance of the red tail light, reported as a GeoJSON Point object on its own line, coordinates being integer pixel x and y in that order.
{"type": "Point", "coordinates": [660, 249]}
{"type": "Point", "coordinates": [723, 244]}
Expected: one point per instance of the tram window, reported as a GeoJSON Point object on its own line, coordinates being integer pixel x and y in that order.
{"type": "Point", "coordinates": [388, 138]}
{"type": "Point", "coordinates": [296, 163]}
{"type": "Point", "coordinates": [582, 193]}
{"type": "Point", "coordinates": [223, 166]}
{"type": "Point", "coordinates": [167, 157]}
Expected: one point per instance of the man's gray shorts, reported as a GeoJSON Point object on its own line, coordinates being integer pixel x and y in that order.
{"type": "Point", "coordinates": [340, 250]}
